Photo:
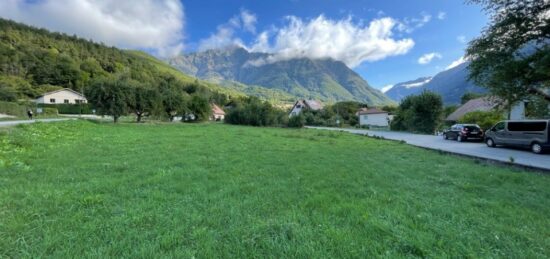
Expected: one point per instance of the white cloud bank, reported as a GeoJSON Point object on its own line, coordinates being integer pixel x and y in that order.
{"type": "Point", "coordinates": [343, 40]}
{"type": "Point", "coordinates": [149, 24]}
{"type": "Point", "coordinates": [428, 57]}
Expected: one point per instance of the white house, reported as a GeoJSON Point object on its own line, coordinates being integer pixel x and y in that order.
{"type": "Point", "coordinates": [62, 96]}
{"type": "Point", "coordinates": [373, 117]}
{"type": "Point", "coordinates": [305, 105]}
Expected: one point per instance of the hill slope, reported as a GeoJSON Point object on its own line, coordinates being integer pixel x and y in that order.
{"type": "Point", "coordinates": [323, 79]}
{"type": "Point", "coordinates": [34, 61]}
{"type": "Point", "coordinates": [451, 84]}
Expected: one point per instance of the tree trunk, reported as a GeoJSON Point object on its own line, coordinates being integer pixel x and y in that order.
{"type": "Point", "coordinates": [115, 118]}
{"type": "Point", "coordinates": [139, 118]}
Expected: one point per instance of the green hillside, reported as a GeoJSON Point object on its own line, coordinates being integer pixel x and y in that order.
{"type": "Point", "coordinates": [34, 61]}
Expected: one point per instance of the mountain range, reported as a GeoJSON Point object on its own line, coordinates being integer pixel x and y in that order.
{"type": "Point", "coordinates": [451, 84]}
{"type": "Point", "coordinates": [322, 79]}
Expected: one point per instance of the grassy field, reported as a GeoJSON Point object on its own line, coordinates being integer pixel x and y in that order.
{"type": "Point", "coordinates": [80, 189]}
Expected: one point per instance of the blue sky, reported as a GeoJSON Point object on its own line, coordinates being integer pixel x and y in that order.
{"type": "Point", "coordinates": [386, 42]}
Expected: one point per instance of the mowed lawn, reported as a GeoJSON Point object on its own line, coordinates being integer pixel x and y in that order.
{"type": "Point", "coordinates": [80, 189]}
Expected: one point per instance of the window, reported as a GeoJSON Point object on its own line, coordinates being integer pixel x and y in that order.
{"type": "Point", "coordinates": [52, 100]}
{"type": "Point", "coordinates": [499, 126]}
{"type": "Point", "coordinates": [66, 101]}
{"type": "Point", "coordinates": [76, 101]}
{"type": "Point", "coordinates": [365, 117]}
{"type": "Point", "coordinates": [527, 126]}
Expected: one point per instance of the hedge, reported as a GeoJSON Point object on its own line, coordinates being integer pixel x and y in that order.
{"type": "Point", "coordinates": [12, 109]}
{"type": "Point", "coordinates": [70, 108]}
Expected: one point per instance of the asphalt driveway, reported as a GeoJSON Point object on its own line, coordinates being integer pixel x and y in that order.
{"type": "Point", "coordinates": [474, 149]}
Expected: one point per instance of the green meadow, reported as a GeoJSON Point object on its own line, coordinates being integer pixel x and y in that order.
{"type": "Point", "coordinates": [83, 189]}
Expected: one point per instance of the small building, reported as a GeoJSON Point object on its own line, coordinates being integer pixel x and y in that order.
{"type": "Point", "coordinates": [301, 105]}
{"type": "Point", "coordinates": [62, 96]}
{"type": "Point", "coordinates": [217, 113]}
{"type": "Point", "coordinates": [373, 117]}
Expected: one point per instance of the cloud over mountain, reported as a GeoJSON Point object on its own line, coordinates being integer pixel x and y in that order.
{"type": "Point", "coordinates": [147, 24]}
{"type": "Point", "coordinates": [346, 40]}
{"type": "Point", "coordinates": [343, 40]}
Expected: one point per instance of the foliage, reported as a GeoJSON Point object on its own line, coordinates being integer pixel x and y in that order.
{"type": "Point", "coordinates": [111, 96]}
{"type": "Point", "coordinates": [211, 191]}
{"type": "Point", "coordinates": [390, 108]}
{"type": "Point", "coordinates": [485, 119]}
{"type": "Point", "coordinates": [147, 101]}
{"type": "Point", "coordinates": [419, 113]}
{"type": "Point", "coordinates": [296, 121]}
{"type": "Point", "coordinates": [255, 112]}
{"type": "Point", "coordinates": [470, 96]}
{"type": "Point", "coordinates": [63, 108]}
{"type": "Point", "coordinates": [200, 107]}
{"type": "Point", "coordinates": [537, 108]}
{"type": "Point", "coordinates": [512, 56]}
{"type": "Point", "coordinates": [12, 108]}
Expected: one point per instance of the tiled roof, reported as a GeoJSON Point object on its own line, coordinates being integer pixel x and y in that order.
{"type": "Point", "coordinates": [371, 111]}
{"type": "Point", "coordinates": [313, 104]}
{"type": "Point", "coordinates": [479, 104]}
{"type": "Point", "coordinates": [217, 110]}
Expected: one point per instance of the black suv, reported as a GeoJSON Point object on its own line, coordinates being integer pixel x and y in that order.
{"type": "Point", "coordinates": [463, 132]}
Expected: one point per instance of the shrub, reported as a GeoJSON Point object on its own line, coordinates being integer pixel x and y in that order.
{"type": "Point", "coordinates": [485, 119]}
{"type": "Point", "coordinates": [252, 111]}
{"type": "Point", "coordinates": [419, 113]}
{"type": "Point", "coordinates": [12, 109]}
{"type": "Point", "coordinates": [84, 108]}
{"type": "Point", "coordinates": [297, 121]}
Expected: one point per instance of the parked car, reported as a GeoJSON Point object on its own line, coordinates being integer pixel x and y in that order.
{"type": "Point", "coordinates": [463, 132]}
{"type": "Point", "coordinates": [533, 134]}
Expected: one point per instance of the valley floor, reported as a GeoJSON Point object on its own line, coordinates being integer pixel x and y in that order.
{"type": "Point", "coordinates": [81, 189]}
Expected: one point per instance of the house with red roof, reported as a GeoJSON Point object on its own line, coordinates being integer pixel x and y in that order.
{"type": "Point", "coordinates": [217, 113]}
{"type": "Point", "coordinates": [302, 105]}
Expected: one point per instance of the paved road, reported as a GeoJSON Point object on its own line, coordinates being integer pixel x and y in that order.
{"type": "Point", "coordinates": [475, 149]}
{"type": "Point", "coordinates": [13, 123]}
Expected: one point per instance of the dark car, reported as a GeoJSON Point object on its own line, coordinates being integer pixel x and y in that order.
{"type": "Point", "coordinates": [464, 132]}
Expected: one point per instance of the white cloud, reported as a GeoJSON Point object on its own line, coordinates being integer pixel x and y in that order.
{"type": "Point", "coordinates": [441, 15]}
{"type": "Point", "coordinates": [386, 88]}
{"type": "Point", "coordinates": [456, 63]}
{"type": "Point", "coordinates": [225, 33]}
{"type": "Point", "coordinates": [408, 25]}
{"type": "Point", "coordinates": [461, 39]}
{"type": "Point", "coordinates": [428, 57]}
{"type": "Point", "coordinates": [148, 24]}
{"type": "Point", "coordinates": [249, 21]}
{"type": "Point", "coordinates": [343, 40]}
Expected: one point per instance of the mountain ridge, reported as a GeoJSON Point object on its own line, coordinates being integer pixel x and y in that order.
{"type": "Point", "coordinates": [451, 84]}
{"type": "Point", "coordinates": [324, 79]}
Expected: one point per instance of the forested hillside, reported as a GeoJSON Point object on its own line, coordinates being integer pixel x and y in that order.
{"type": "Point", "coordinates": [34, 61]}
